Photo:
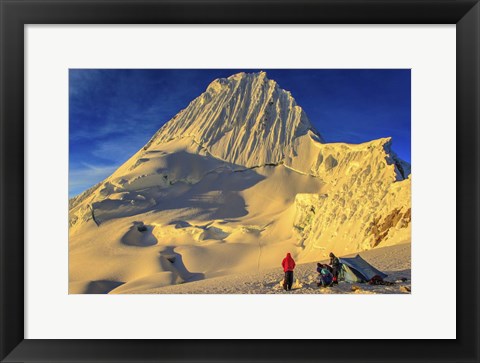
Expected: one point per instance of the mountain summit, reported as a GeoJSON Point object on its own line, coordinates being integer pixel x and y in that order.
{"type": "Point", "coordinates": [244, 119]}
{"type": "Point", "coordinates": [230, 184]}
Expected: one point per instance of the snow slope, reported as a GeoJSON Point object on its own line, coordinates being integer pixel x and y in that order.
{"type": "Point", "coordinates": [394, 260]}
{"type": "Point", "coordinates": [229, 185]}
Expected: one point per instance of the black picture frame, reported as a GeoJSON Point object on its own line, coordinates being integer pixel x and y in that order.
{"type": "Point", "coordinates": [15, 14]}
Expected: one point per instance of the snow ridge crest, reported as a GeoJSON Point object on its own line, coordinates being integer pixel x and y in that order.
{"type": "Point", "coordinates": [245, 119]}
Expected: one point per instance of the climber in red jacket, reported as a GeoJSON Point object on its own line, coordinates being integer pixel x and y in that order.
{"type": "Point", "coordinates": [288, 265]}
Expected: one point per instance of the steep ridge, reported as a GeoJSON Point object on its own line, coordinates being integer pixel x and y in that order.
{"type": "Point", "coordinates": [228, 185]}
{"type": "Point", "coordinates": [245, 119]}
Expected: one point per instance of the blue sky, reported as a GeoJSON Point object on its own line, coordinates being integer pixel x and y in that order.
{"type": "Point", "coordinates": [114, 112]}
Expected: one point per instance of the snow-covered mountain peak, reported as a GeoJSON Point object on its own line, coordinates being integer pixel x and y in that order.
{"type": "Point", "coordinates": [245, 119]}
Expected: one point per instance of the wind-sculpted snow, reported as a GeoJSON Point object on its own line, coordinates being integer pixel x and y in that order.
{"type": "Point", "coordinates": [365, 201]}
{"type": "Point", "coordinates": [245, 119]}
{"type": "Point", "coordinates": [229, 185]}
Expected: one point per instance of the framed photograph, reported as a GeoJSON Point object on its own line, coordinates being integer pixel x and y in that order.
{"type": "Point", "coordinates": [239, 181]}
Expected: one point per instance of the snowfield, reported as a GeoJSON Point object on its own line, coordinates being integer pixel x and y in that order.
{"type": "Point", "coordinates": [394, 261]}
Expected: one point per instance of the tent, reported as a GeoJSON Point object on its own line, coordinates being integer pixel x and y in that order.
{"type": "Point", "coordinates": [358, 270]}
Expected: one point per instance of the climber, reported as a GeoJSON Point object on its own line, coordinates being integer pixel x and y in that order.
{"type": "Point", "coordinates": [335, 263]}
{"type": "Point", "coordinates": [325, 277]}
{"type": "Point", "coordinates": [288, 265]}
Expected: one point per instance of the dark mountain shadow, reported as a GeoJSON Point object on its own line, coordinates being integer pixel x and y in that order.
{"type": "Point", "coordinates": [102, 286]}
{"type": "Point", "coordinates": [215, 196]}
